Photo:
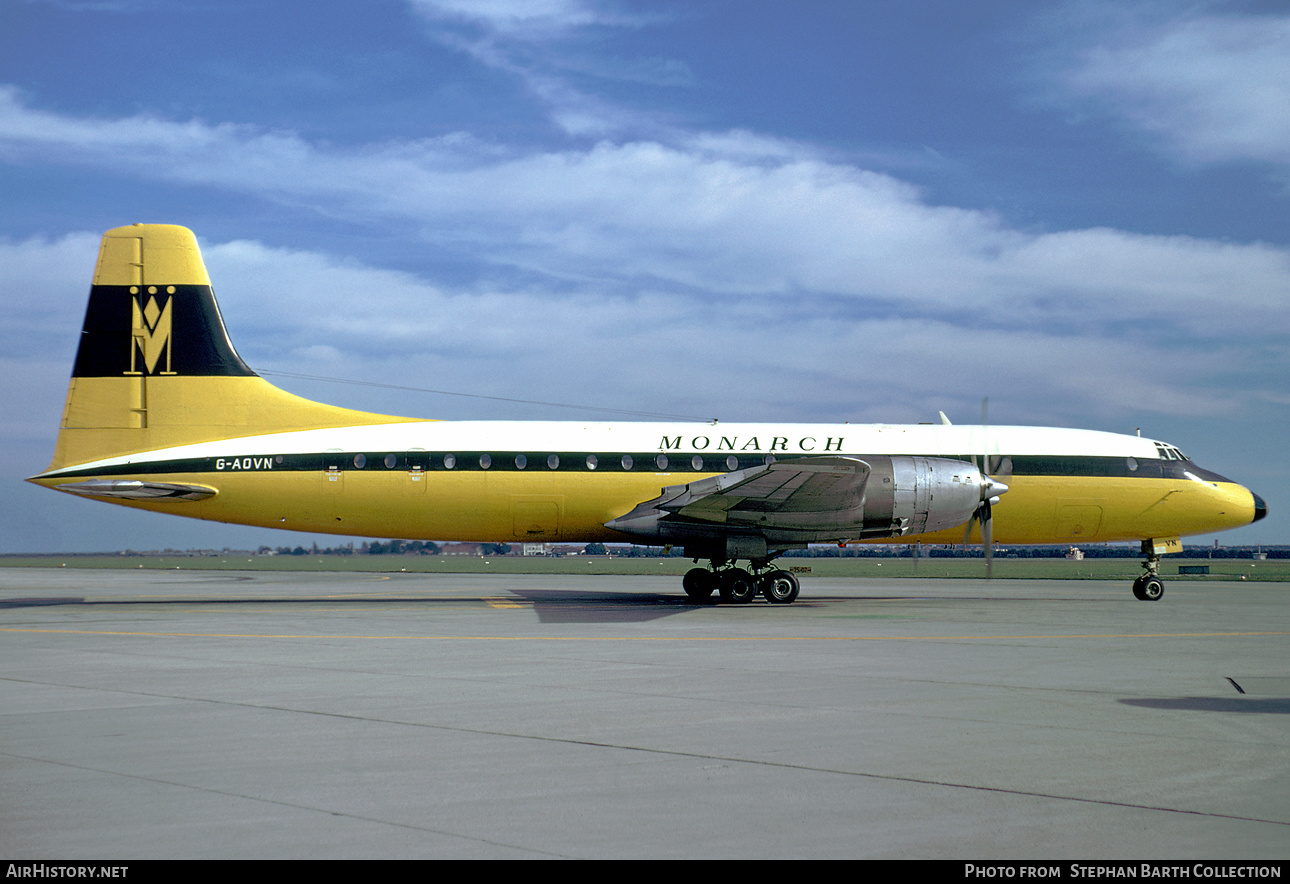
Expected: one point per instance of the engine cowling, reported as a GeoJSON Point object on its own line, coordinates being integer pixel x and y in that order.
{"type": "Point", "coordinates": [918, 495]}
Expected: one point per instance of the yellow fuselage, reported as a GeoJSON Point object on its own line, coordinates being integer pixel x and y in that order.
{"type": "Point", "coordinates": [419, 497]}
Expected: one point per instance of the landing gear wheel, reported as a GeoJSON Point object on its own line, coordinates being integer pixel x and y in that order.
{"type": "Point", "coordinates": [1148, 588]}
{"type": "Point", "coordinates": [737, 586]}
{"type": "Point", "coordinates": [699, 584]}
{"type": "Point", "coordinates": [780, 588]}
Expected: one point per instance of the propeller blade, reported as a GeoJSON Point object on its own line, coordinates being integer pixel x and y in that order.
{"type": "Point", "coordinates": [987, 536]}
{"type": "Point", "coordinates": [989, 491]}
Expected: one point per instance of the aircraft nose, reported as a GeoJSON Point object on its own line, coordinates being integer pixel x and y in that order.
{"type": "Point", "coordinates": [1260, 507]}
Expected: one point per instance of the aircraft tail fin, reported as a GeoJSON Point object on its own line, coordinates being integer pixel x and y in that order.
{"type": "Point", "coordinates": [155, 367]}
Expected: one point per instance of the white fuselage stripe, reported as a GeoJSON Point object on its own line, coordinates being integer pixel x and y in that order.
{"type": "Point", "coordinates": [739, 439]}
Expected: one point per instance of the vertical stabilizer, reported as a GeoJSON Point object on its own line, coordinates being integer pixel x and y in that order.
{"type": "Point", "coordinates": [147, 276]}
{"type": "Point", "coordinates": [155, 366]}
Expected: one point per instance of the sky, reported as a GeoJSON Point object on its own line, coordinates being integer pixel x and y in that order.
{"type": "Point", "coordinates": [752, 211]}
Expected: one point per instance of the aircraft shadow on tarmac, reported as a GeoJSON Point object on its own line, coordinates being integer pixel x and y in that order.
{"type": "Point", "coordinates": [558, 606]}
{"type": "Point", "coordinates": [1265, 706]}
{"type": "Point", "coordinates": [551, 606]}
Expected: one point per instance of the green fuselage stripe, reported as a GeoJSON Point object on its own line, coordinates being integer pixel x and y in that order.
{"type": "Point", "coordinates": [604, 462]}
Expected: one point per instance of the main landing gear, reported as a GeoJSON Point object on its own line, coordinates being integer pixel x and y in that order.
{"type": "Point", "coordinates": [737, 586]}
{"type": "Point", "coordinates": [1149, 587]}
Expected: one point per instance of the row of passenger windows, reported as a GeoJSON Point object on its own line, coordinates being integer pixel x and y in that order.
{"type": "Point", "coordinates": [553, 462]}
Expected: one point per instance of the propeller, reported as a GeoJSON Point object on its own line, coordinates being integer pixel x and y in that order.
{"type": "Point", "coordinates": [984, 516]}
{"type": "Point", "coordinates": [991, 489]}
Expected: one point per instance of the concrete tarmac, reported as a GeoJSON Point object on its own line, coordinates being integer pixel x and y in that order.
{"type": "Point", "coordinates": [257, 714]}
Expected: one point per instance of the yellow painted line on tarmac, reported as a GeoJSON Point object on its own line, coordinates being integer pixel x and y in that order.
{"type": "Point", "coordinates": [644, 638]}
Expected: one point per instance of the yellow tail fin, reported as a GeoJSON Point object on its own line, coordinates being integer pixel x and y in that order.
{"type": "Point", "coordinates": [155, 367]}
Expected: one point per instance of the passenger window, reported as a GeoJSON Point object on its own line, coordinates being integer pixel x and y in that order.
{"type": "Point", "coordinates": [449, 461]}
{"type": "Point", "coordinates": [627, 462]}
{"type": "Point", "coordinates": [521, 461]}
{"type": "Point", "coordinates": [553, 462]}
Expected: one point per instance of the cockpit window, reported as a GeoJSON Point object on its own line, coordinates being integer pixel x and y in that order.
{"type": "Point", "coordinates": [1168, 452]}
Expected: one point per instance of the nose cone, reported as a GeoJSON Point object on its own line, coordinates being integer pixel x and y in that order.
{"type": "Point", "coordinates": [1260, 508]}
{"type": "Point", "coordinates": [992, 488]}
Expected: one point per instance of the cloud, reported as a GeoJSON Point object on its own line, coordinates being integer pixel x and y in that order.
{"type": "Point", "coordinates": [1212, 88]}
{"type": "Point", "coordinates": [528, 19]}
{"type": "Point", "coordinates": [709, 254]}
{"type": "Point", "coordinates": [45, 281]}
{"type": "Point", "coordinates": [548, 44]}
{"type": "Point", "coordinates": [727, 216]}
{"type": "Point", "coordinates": [667, 352]}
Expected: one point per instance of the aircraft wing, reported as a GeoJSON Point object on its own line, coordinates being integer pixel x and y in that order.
{"type": "Point", "coordinates": [823, 495]}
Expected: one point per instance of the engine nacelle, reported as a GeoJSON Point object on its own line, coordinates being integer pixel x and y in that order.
{"type": "Point", "coordinates": [909, 495]}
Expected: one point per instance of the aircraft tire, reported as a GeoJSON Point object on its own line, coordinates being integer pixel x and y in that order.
{"type": "Point", "coordinates": [737, 586]}
{"type": "Point", "coordinates": [780, 588]}
{"type": "Point", "coordinates": [1148, 589]}
{"type": "Point", "coordinates": [699, 584]}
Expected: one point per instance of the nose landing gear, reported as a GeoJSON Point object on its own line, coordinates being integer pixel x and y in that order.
{"type": "Point", "coordinates": [1149, 587]}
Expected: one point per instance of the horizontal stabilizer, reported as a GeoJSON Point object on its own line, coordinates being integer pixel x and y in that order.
{"type": "Point", "coordinates": [134, 490]}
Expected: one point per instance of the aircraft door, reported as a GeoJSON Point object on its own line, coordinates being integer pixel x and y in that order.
{"type": "Point", "coordinates": [536, 518]}
{"type": "Point", "coordinates": [418, 465]}
{"type": "Point", "coordinates": [1079, 519]}
{"type": "Point", "coordinates": [333, 470]}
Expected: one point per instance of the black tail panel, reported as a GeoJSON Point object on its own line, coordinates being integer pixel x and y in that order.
{"type": "Point", "coordinates": [155, 330]}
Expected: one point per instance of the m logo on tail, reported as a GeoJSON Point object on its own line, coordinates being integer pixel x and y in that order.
{"type": "Point", "coordinates": [151, 332]}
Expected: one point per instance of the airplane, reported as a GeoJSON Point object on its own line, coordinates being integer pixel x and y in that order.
{"type": "Point", "coordinates": [162, 414]}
